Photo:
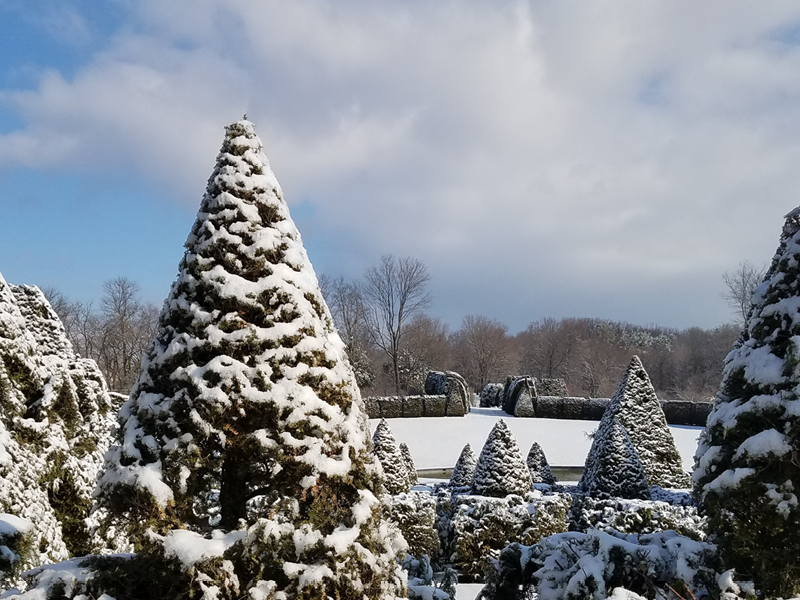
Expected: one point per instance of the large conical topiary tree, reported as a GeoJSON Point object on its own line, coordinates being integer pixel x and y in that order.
{"type": "Point", "coordinates": [501, 470]}
{"type": "Point", "coordinates": [246, 413]}
{"type": "Point", "coordinates": [746, 466]}
{"type": "Point", "coordinates": [638, 410]}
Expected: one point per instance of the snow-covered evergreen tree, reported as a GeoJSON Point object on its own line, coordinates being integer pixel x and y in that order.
{"type": "Point", "coordinates": [746, 466]}
{"type": "Point", "coordinates": [411, 468]}
{"type": "Point", "coordinates": [247, 414]}
{"type": "Point", "coordinates": [500, 469]}
{"type": "Point", "coordinates": [56, 423]}
{"type": "Point", "coordinates": [538, 465]}
{"type": "Point", "coordinates": [464, 468]}
{"type": "Point", "coordinates": [616, 471]}
{"type": "Point", "coordinates": [388, 453]}
{"type": "Point", "coordinates": [638, 410]}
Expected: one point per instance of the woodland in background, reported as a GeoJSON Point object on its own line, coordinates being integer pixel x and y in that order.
{"type": "Point", "coordinates": [393, 343]}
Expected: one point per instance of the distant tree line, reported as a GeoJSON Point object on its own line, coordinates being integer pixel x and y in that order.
{"type": "Point", "coordinates": [115, 334]}
{"type": "Point", "coordinates": [392, 342]}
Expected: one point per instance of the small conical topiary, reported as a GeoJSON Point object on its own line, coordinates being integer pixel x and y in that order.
{"type": "Point", "coordinates": [390, 456]}
{"type": "Point", "coordinates": [247, 417]}
{"type": "Point", "coordinates": [637, 408]}
{"type": "Point", "coordinates": [616, 471]}
{"type": "Point", "coordinates": [746, 466]}
{"type": "Point", "coordinates": [538, 465]}
{"type": "Point", "coordinates": [411, 468]}
{"type": "Point", "coordinates": [500, 470]}
{"type": "Point", "coordinates": [464, 469]}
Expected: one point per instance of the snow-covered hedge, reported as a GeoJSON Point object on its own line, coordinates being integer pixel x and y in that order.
{"type": "Point", "coordinates": [553, 386]}
{"type": "Point", "coordinates": [391, 407]}
{"type": "Point", "coordinates": [481, 526]}
{"type": "Point", "coordinates": [591, 566]}
{"type": "Point", "coordinates": [635, 516]}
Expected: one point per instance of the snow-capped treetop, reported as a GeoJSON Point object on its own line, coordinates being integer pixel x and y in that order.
{"type": "Point", "coordinates": [538, 465]}
{"type": "Point", "coordinates": [390, 456]}
{"type": "Point", "coordinates": [500, 469]}
{"type": "Point", "coordinates": [616, 471]}
{"type": "Point", "coordinates": [464, 468]}
{"type": "Point", "coordinates": [411, 468]}
{"type": "Point", "coordinates": [637, 408]}
{"type": "Point", "coordinates": [745, 466]}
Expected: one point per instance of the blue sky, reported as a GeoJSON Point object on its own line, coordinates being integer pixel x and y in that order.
{"type": "Point", "coordinates": [543, 158]}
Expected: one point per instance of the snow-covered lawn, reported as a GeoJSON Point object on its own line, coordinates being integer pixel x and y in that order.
{"type": "Point", "coordinates": [468, 591]}
{"type": "Point", "coordinates": [435, 442]}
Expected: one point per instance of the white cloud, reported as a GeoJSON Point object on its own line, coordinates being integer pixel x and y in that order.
{"type": "Point", "coordinates": [605, 153]}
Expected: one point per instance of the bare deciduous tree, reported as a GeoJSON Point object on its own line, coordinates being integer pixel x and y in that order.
{"type": "Point", "coordinates": [117, 336]}
{"type": "Point", "coordinates": [395, 291]}
{"type": "Point", "coordinates": [740, 284]}
{"type": "Point", "coordinates": [483, 349]}
{"type": "Point", "coordinates": [346, 303]}
{"type": "Point", "coordinates": [128, 327]}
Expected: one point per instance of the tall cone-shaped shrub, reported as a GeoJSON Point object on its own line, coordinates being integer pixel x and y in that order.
{"type": "Point", "coordinates": [746, 466]}
{"type": "Point", "coordinates": [464, 468]}
{"type": "Point", "coordinates": [389, 455]}
{"type": "Point", "coordinates": [638, 410]}
{"type": "Point", "coordinates": [500, 469]}
{"type": "Point", "coordinates": [617, 471]}
{"type": "Point", "coordinates": [246, 413]}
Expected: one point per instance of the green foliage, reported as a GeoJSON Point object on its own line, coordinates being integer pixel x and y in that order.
{"type": "Point", "coordinates": [481, 527]}
{"type": "Point", "coordinates": [69, 504]}
{"type": "Point", "coordinates": [747, 464]}
{"type": "Point", "coordinates": [146, 576]}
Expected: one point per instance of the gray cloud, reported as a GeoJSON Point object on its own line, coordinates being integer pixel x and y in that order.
{"type": "Point", "coordinates": [543, 158]}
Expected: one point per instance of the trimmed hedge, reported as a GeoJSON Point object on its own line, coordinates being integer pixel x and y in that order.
{"type": "Point", "coordinates": [678, 412]}
{"type": "Point", "coordinates": [392, 407]}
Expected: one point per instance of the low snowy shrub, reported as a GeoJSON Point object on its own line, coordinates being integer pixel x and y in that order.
{"type": "Point", "coordinates": [413, 406]}
{"type": "Point", "coordinates": [481, 526]}
{"type": "Point", "coordinates": [601, 565]}
{"type": "Point", "coordinates": [414, 514]}
{"type": "Point", "coordinates": [635, 516]}
{"type": "Point", "coordinates": [421, 585]}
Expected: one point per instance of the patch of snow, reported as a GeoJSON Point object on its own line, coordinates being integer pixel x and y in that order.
{"type": "Point", "coordinates": [436, 442]}
{"type": "Point", "coordinates": [190, 547]}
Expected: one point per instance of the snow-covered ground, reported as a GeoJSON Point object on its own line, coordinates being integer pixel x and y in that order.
{"type": "Point", "coordinates": [468, 591]}
{"type": "Point", "coordinates": [435, 442]}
